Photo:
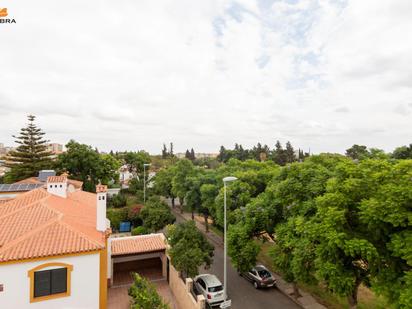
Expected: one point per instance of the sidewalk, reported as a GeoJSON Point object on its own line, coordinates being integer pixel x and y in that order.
{"type": "Point", "coordinates": [306, 300]}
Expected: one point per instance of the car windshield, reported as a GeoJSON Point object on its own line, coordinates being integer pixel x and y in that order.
{"type": "Point", "coordinates": [264, 273]}
{"type": "Point", "coordinates": [215, 288]}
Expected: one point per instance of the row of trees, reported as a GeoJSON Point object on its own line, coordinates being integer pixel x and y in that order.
{"type": "Point", "coordinates": [279, 155]}
{"type": "Point", "coordinates": [334, 221]}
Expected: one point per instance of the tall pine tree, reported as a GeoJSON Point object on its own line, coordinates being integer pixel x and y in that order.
{"type": "Point", "coordinates": [30, 156]}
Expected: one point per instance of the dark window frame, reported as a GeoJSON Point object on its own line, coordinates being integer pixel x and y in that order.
{"type": "Point", "coordinates": [58, 287]}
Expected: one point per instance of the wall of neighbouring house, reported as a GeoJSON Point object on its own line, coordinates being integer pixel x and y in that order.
{"type": "Point", "coordinates": [181, 291]}
{"type": "Point", "coordinates": [84, 284]}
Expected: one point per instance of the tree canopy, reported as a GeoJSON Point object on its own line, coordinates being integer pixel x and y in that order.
{"type": "Point", "coordinates": [84, 163]}
{"type": "Point", "coordinates": [189, 248]}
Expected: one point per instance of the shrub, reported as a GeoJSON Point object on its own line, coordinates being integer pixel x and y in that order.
{"type": "Point", "coordinates": [156, 215]}
{"type": "Point", "coordinates": [140, 230]}
{"type": "Point", "coordinates": [144, 295]}
{"type": "Point", "coordinates": [117, 201]}
{"type": "Point", "coordinates": [116, 216]}
{"type": "Point", "coordinates": [133, 214]}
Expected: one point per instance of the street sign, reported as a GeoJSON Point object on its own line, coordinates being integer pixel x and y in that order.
{"type": "Point", "coordinates": [226, 304]}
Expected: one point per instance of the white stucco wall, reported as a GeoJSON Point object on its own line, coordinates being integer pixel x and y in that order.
{"type": "Point", "coordinates": [84, 285]}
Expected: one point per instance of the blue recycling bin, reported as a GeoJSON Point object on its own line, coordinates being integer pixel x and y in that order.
{"type": "Point", "coordinates": [125, 226]}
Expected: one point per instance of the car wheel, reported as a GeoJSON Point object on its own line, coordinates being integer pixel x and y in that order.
{"type": "Point", "coordinates": [255, 285]}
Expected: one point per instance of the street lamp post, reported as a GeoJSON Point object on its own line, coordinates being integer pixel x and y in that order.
{"type": "Point", "coordinates": [144, 182]}
{"type": "Point", "coordinates": [225, 181]}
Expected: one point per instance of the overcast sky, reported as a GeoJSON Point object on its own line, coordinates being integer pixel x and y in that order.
{"type": "Point", "coordinates": [128, 75]}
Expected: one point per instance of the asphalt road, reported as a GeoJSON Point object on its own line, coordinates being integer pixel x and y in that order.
{"type": "Point", "coordinates": [241, 291]}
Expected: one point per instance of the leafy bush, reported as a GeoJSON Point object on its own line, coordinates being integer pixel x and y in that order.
{"type": "Point", "coordinates": [116, 216]}
{"type": "Point", "coordinates": [140, 230]}
{"type": "Point", "coordinates": [144, 295]}
{"type": "Point", "coordinates": [133, 214]}
{"type": "Point", "coordinates": [117, 201]}
{"type": "Point", "coordinates": [156, 215]}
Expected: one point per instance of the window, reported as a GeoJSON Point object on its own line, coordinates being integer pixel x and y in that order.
{"type": "Point", "coordinates": [48, 282]}
{"type": "Point", "coordinates": [202, 283]}
{"type": "Point", "coordinates": [215, 289]}
{"type": "Point", "coordinates": [51, 280]}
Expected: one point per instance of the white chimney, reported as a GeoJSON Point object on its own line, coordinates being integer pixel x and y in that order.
{"type": "Point", "coordinates": [57, 185]}
{"type": "Point", "coordinates": [101, 196]}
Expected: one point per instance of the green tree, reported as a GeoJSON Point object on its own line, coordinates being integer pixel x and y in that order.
{"type": "Point", "coordinates": [189, 248]}
{"type": "Point", "coordinates": [279, 155]}
{"type": "Point", "coordinates": [357, 152]}
{"type": "Point", "coordinates": [156, 215]}
{"type": "Point", "coordinates": [83, 163]}
{"type": "Point", "coordinates": [144, 294]}
{"type": "Point", "coordinates": [182, 170]}
{"type": "Point", "coordinates": [193, 195]}
{"type": "Point", "coordinates": [30, 156]}
{"type": "Point", "coordinates": [403, 152]}
{"type": "Point", "coordinates": [345, 257]}
{"type": "Point", "coordinates": [163, 183]}
{"type": "Point", "coordinates": [289, 153]}
{"type": "Point", "coordinates": [135, 161]}
{"type": "Point", "coordinates": [208, 193]}
{"type": "Point", "coordinates": [238, 195]}
{"type": "Point", "coordinates": [387, 214]}
{"type": "Point", "coordinates": [241, 248]}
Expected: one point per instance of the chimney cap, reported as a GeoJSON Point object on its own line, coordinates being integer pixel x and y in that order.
{"type": "Point", "coordinates": [56, 179]}
{"type": "Point", "coordinates": [101, 189]}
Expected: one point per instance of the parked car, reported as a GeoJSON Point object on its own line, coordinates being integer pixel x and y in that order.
{"type": "Point", "coordinates": [260, 276]}
{"type": "Point", "coordinates": [211, 288]}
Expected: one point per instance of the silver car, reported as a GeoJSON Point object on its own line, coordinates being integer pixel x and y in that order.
{"type": "Point", "coordinates": [260, 276]}
{"type": "Point", "coordinates": [211, 288]}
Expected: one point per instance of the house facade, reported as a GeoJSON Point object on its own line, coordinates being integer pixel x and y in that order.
{"type": "Point", "coordinates": [53, 248]}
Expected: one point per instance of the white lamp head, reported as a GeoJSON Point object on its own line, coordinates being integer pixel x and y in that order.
{"type": "Point", "coordinates": [147, 164]}
{"type": "Point", "coordinates": [229, 179]}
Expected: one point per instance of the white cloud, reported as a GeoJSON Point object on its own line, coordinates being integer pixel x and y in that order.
{"type": "Point", "coordinates": [132, 75]}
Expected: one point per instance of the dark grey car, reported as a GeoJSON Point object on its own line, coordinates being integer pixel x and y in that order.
{"type": "Point", "coordinates": [260, 276]}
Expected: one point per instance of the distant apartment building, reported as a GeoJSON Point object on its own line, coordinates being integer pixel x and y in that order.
{"type": "Point", "coordinates": [200, 155]}
{"type": "Point", "coordinates": [55, 148]}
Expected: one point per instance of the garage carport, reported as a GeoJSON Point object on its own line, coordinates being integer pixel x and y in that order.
{"type": "Point", "coordinates": [143, 254]}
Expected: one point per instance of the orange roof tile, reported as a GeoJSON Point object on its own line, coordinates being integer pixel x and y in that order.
{"type": "Point", "coordinates": [33, 180]}
{"type": "Point", "coordinates": [137, 244]}
{"type": "Point", "coordinates": [62, 178]}
{"type": "Point", "coordinates": [37, 224]}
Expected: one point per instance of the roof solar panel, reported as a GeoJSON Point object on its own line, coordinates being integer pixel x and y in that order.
{"type": "Point", "coordinates": [46, 173]}
{"type": "Point", "coordinates": [19, 187]}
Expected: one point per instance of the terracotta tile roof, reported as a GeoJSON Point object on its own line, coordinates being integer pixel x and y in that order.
{"type": "Point", "coordinates": [33, 180]}
{"type": "Point", "coordinates": [38, 224]}
{"type": "Point", "coordinates": [137, 244]}
{"type": "Point", "coordinates": [62, 178]}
